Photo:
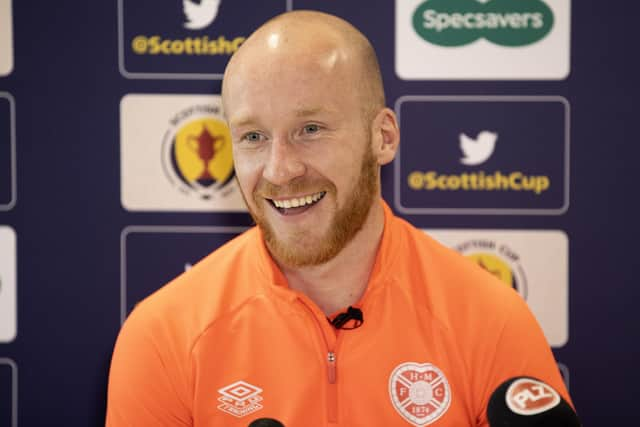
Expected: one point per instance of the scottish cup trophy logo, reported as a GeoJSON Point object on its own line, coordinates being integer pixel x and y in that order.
{"type": "Point", "coordinates": [197, 155]}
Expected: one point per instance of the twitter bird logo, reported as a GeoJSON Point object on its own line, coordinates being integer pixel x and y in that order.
{"type": "Point", "coordinates": [477, 150]}
{"type": "Point", "coordinates": [200, 15]}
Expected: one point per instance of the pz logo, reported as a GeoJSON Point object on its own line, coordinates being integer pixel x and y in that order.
{"type": "Point", "coordinates": [531, 395]}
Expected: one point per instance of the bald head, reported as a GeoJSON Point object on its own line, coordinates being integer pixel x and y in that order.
{"type": "Point", "coordinates": [294, 37]}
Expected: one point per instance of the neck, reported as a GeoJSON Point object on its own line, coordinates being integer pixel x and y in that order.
{"type": "Point", "coordinates": [342, 281]}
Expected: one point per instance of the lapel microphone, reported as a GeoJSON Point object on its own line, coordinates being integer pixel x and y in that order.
{"type": "Point", "coordinates": [341, 319]}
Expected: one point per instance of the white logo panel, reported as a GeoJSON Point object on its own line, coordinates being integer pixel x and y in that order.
{"type": "Point", "coordinates": [6, 38]}
{"type": "Point", "coordinates": [481, 57]}
{"type": "Point", "coordinates": [176, 155]}
{"type": "Point", "coordinates": [8, 315]}
{"type": "Point", "coordinates": [534, 262]}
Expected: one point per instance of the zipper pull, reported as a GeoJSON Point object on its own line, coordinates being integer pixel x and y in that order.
{"type": "Point", "coordinates": [331, 367]}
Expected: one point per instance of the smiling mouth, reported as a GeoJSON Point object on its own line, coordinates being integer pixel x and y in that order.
{"type": "Point", "coordinates": [296, 205]}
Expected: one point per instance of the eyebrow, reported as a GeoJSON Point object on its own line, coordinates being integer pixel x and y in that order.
{"type": "Point", "coordinates": [306, 112]}
{"type": "Point", "coordinates": [301, 113]}
{"type": "Point", "coordinates": [245, 121]}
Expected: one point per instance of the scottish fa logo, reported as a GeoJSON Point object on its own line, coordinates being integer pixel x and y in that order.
{"type": "Point", "coordinates": [197, 155]}
{"type": "Point", "coordinates": [200, 14]}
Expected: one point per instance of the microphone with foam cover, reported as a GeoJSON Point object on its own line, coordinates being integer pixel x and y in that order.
{"type": "Point", "coordinates": [266, 422]}
{"type": "Point", "coordinates": [528, 402]}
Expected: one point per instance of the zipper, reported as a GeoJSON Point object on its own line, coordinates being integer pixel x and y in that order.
{"type": "Point", "coordinates": [332, 391]}
{"type": "Point", "coordinates": [331, 362]}
{"type": "Point", "coordinates": [331, 367]}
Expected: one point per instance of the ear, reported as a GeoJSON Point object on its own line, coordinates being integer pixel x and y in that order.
{"type": "Point", "coordinates": [385, 136]}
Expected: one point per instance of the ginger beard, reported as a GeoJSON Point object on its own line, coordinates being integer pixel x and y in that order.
{"type": "Point", "coordinates": [345, 224]}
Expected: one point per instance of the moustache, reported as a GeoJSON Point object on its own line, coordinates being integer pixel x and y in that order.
{"type": "Point", "coordinates": [297, 186]}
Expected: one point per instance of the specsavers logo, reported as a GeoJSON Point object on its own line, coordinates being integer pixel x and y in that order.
{"type": "Point", "coordinates": [503, 22]}
{"type": "Point", "coordinates": [482, 39]}
{"type": "Point", "coordinates": [197, 155]}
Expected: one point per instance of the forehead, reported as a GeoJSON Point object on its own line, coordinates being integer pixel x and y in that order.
{"type": "Point", "coordinates": [285, 83]}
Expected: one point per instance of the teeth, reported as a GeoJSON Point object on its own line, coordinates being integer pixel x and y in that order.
{"type": "Point", "coordinates": [298, 202]}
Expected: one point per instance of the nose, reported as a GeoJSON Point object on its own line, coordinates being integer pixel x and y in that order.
{"type": "Point", "coordinates": [283, 163]}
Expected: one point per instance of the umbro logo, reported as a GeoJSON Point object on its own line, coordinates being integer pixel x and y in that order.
{"type": "Point", "coordinates": [240, 399]}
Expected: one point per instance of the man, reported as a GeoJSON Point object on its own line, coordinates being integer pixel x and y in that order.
{"type": "Point", "coordinates": [254, 330]}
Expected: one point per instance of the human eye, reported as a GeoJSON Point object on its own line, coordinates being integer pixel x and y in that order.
{"type": "Point", "coordinates": [252, 137]}
{"type": "Point", "coordinates": [311, 128]}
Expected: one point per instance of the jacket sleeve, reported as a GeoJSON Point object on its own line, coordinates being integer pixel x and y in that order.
{"type": "Point", "coordinates": [521, 349]}
{"type": "Point", "coordinates": [146, 382]}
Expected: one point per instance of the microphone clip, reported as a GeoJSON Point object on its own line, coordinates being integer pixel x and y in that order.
{"type": "Point", "coordinates": [341, 319]}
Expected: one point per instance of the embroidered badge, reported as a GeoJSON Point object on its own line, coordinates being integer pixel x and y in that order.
{"type": "Point", "coordinates": [240, 399]}
{"type": "Point", "coordinates": [420, 392]}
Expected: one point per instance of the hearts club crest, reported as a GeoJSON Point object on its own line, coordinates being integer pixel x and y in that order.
{"type": "Point", "coordinates": [420, 392]}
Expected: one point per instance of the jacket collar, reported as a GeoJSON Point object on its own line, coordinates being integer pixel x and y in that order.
{"type": "Point", "coordinates": [386, 256]}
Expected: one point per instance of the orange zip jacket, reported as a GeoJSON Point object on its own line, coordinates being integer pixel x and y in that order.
{"type": "Point", "coordinates": [228, 342]}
